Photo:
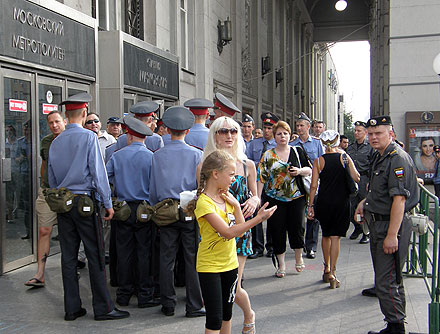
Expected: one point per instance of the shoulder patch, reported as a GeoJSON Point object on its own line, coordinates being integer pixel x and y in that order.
{"type": "Point", "coordinates": [399, 172]}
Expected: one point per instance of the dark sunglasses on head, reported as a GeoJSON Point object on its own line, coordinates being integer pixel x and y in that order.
{"type": "Point", "coordinates": [225, 131]}
{"type": "Point", "coordinates": [92, 121]}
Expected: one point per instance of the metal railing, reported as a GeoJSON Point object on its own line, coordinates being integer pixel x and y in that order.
{"type": "Point", "coordinates": [423, 255]}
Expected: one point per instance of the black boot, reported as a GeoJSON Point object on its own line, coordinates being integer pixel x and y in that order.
{"type": "Point", "coordinates": [392, 328]}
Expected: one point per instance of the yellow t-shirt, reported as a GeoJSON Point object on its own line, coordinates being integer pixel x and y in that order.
{"type": "Point", "coordinates": [215, 253]}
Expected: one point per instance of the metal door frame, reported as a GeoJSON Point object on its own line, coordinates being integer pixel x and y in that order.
{"type": "Point", "coordinates": [31, 77]}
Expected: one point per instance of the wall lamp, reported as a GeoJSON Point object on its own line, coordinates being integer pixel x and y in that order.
{"type": "Point", "coordinates": [341, 5]}
{"type": "Point", "coordinates": [224, 34]}
{"type": "Point", "coordinates": [265, 65]}
{"type": "Point", "coordinates": [278, 77]}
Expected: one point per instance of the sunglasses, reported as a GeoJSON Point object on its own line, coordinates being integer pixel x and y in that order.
{"type": "Point", "coordinates": [92, 121]}
{"type": "Point", "coordinates": [225, 131]}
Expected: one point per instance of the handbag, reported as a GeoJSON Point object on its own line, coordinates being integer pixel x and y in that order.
{"type": "Point", "coordinates": [306, 180]}
{"type": "Point", "coordinates": [351, 185]}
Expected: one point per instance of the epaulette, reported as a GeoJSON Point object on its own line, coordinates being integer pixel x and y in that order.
{"type": "Point", "coordinates": [393, 152]}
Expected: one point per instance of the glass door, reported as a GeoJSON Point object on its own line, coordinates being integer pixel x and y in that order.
{"type": "Point", "coordinates": [17, 168]}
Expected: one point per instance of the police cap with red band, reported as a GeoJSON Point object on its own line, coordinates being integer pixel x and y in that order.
{"type": "Point", "coordinates": [77, 101]}
{"type": "Point", "coordinates": [269, 118]}
{"type": "Point", "coordinates": [136, 127]}
{"type": "Point", "coordinates": [144, 108]}
{"type": "Point", "coordinates": [199, 106]}
{"type": "Point", "coordinates": [222, 103]}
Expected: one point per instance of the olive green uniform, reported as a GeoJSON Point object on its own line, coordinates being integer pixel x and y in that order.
{"type": "Point", "coordinates": [392, 174]}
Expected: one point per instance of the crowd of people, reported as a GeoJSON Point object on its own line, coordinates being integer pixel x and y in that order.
{"type": "Point", "coordinates": [139, 169]}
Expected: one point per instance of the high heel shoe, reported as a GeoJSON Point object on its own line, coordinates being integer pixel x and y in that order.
{"type": "Point", "coordinates": [326, 274]}
{"type": "Point", "coordinates": [334, 282]}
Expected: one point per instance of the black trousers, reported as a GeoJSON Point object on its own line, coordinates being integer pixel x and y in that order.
{"type": "Point", "coordinates": [133, 245]}
{"type": "Point", "coordinates": [218, 291]}
{"type": "Point", "coordinates": [188, 234]}
{"type": "Point", "coordinates": [287, 219]}
{"type": "Point", "coordinates": [312, 233]}
{"type": "Point", "coordinates": [72, 229]}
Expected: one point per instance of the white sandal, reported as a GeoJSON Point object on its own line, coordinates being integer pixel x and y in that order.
{"type": "Point", "coordinates": [250, 328]}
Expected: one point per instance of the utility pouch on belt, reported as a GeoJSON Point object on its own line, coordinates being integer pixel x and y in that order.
{"type": "Point", "coordinates": [59, 200]}
{"type": "Point", "coordinates": [144, 212]}
{"type": "Point", "coordinates": [166, 212]}
{"type": "Point", "coordinates": [85, 206]}
{"type": "Point", "coordinates": [122, 210]}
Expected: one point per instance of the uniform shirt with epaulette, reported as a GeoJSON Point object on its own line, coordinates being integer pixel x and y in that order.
{"type": "Point", "coordinates": [361, 155]}
{"type": "Point", "coordinates": [392, 174]}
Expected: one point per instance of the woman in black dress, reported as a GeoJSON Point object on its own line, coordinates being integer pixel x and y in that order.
{"type": "Point", "coordinates": [333, 205]}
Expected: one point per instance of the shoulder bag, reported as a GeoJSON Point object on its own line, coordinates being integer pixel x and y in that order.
{"type": "Point", "coordinates": [352, 186]}
{"type": "Point", "coordinates": [305, 180]}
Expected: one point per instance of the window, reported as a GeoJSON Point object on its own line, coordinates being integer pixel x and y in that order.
{"type": "Point", "coordinates": [187, 34]}
{"type": "Point", "coordinates": [134, 18]}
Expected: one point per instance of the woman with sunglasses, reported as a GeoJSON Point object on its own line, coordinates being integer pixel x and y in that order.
{"type": "Point", "coordinates": [225, 135]}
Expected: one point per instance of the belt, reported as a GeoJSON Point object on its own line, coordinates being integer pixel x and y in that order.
{"type": "Point", "coordinates": [378, 217]}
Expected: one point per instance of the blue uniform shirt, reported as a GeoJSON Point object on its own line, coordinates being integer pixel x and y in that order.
{"type": "Point", "coordinates": [312, 146]}
{"type": "Point", "coordinates": [166, 139]}
{"type": "Point", "coordinates": [153, 143]}
{"type": "Point", "coordinates": [109, 150]}
{"type": "Point", "coordinates": [75, 162]}
{"type": "Point", "coordinates": [197, 136]}
{"type": "Point", "coordinates": [129, 171]}
{"type": "Point", "coordinates": [254, 150]}
{"type": "Point", "coordinates": [246, 143]}
{"type": "Point", "coordinates": [173, 171]}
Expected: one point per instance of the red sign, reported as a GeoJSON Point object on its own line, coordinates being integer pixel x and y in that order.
{"type": "Point", "coordinates": [17, 105]}
{"type": "Point", "coordinates": [47, 108]}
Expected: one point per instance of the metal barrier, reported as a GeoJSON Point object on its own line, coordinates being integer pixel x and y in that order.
{"type": "Point", "coordinates": [423, 256]}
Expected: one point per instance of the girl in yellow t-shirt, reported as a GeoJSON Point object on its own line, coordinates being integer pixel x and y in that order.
{"type": "Point", "coordinates": [220, 220]}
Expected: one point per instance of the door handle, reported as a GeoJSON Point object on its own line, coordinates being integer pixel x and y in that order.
{"type": "Point", "coordinates": [6, 169]}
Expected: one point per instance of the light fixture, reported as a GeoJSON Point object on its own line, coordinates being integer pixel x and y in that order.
{"type": "Point", "coordinates": [436, 64]}
{"type": "Point", "coordinates": [341, 5]}
{"type": "Point", "coordinates": [224, 31]}
{"type": "Point", "coordinates": [265, 65]}
{"type": "Point", "coordinates": [278, 77]}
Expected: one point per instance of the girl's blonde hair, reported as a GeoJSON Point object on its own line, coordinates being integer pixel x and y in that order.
{"type": "Point", "coordinates": [211, 146]}
{"type": "Point", "coordinates": [217, 160]}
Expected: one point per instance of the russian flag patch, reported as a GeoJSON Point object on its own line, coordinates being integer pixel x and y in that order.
{"type": "Point", "coordinates": [399, 172]}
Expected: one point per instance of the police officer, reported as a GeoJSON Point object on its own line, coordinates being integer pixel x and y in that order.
{"type": "Point", "coordinates": [255, 151]}
{"type": "Point", "coordinates": [314, 149]}
{"type": "Point", "coordinates": [198, 134]}
{"type": "Point", "coordinates": [75, 162]}
{"type": "Point", "coordinates": [224, 107]}
{"type": "Point", "coordinates": [173, 171]}
{"type": "Point", "coordinates": [247, 127]}
{"type": "Point", "coordinates": [144, 111]}
{"type": "Point", "coordinates": [129, 172]}
{"type": "Point", "coordinates": [360, 152]}
{"type": "Point", "coordinates": [392, 193]}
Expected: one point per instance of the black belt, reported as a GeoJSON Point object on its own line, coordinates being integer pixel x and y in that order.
{"type": "Point", "coordinates": [378, 217]}
{"type": "Point", "coordinates": [364, 173]}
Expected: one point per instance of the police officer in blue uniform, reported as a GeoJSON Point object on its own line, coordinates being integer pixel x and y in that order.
{"type": "Point", "coordinates": [224, 107]}
{"type": "Point", "coordinates": [75, 162]}
{"type": "Point", "coordinates": [255, 151]}
{"type": "Point", "coordinates": [247, 126]}
{"type": "Point", "coordinates": [314, 149]}
{"type": "Point", "coordinates": [173, 171]}
{"type": "Point", "coordinates": [129, 171]}
{"type": "Point", "coordinates": [198, 134]}
{"type": "Point", "coordinates": [392, 193]}
{"type": "Point", "coordinates": [144, 111]}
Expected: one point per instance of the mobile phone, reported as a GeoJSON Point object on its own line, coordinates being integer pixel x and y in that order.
{"type": "Point", "coordinates": [358, 218]}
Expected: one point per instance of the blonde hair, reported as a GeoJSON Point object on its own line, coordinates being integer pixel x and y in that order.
{"type": "Point", "coordinates": [211, 146]}
{"type": "Point", "coordinates": [217, 160]}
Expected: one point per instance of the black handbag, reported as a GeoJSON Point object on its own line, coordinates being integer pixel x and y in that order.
{"type": "Point", "coordinates": [352, 186]}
